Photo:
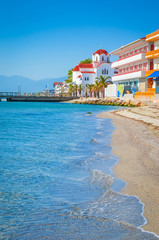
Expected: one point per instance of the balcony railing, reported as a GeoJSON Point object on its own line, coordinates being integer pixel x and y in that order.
{"type": "Point", "coordinates": [136, 70]}
{"type": "Point", "coordinates": [131, 55]}
{"type": "Point", "coordinates": [133, 58]}
{"type": "Point", "coordinates": [152, 54]}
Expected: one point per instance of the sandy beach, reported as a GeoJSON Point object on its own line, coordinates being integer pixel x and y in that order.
{"type": "Point", "coordinates": [136, 142]}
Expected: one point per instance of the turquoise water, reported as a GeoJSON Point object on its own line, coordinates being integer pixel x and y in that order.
{"type": "Point", "coordinates": [56, 178]}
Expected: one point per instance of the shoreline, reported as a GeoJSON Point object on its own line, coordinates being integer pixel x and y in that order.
{"type": "Point", "coordinates": [136, 145]}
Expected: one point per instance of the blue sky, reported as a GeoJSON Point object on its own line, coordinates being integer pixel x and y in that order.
{"type": "Point", "coordinates": [45, 38]}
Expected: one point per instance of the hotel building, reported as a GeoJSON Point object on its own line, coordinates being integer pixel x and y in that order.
{"type": "Point", "coordinates": [132, 66]}
{"type": "Point", "coordinates": [152, 57]}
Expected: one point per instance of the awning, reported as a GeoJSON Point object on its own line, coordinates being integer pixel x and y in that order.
{"type": "Point", "coordinates": [154, 75]}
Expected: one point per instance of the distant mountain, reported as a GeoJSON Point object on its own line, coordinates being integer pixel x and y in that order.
{"type": "Point", "coordinates": [10, 84]}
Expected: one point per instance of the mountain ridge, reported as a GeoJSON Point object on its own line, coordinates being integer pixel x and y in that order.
{"type": "Point", "coordinates": [10, 83]}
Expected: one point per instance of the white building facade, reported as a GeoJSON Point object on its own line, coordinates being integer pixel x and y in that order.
{"type": "Point", "coordinates": [86, 73]}
{"type": "Point", "coordinates": [132, 65]}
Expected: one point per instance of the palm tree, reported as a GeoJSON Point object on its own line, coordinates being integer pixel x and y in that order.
{"type": "Point", "coordinates": [80, 88]}
{"type": "Point", "coordinates": [96, 88]}
{"type": "Point", "coordinates": [85, 89]}
{"type": "Point", "coordinates": [103, 83]}
{"type": "Point", "coordinates": [75, 87]}
{"type": "Point", "coordinates": [90, 88]}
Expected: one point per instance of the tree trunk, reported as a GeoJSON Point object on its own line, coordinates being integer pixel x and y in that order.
{"type": "Point", "coordinates": [103, 93]}
{"type": "Point", "coordinates": [86, 94]}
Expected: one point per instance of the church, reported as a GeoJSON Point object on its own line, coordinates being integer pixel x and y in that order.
{"type": "Point", "coordinates": [86, 73]}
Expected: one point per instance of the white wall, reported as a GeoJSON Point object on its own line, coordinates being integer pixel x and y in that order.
{"type": "Point", "coordinates": [156, 63]}
{"type": "Point", "coordinates": [75, 77]}
{"type": "Point", "coordinates": [108, 67]}
{"type": "Point", "coordinates": [94, 58]}
{"type": "Point", "coordinates": [156, 45]}
{"type": "Point", "coordinates": [111, 90]}
{"type": "Point", "coordinates": [91, 78]}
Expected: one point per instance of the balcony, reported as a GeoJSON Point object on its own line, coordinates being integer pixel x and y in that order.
{"type": "Point", "coordinates": [129, 75]}
{"type": "Point", "coordinates": [152, 54]}
{"type": "Point", "coordinates": [153, 36]}
{"type": "Point", "coordinates": [135, 58]}
{"type": "Point", "coordinates": [150, 72]}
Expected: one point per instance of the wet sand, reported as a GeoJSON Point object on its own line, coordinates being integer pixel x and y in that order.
{"type": "Point", "coordinates": [137, 146]}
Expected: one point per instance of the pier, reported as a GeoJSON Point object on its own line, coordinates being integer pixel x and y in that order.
{"type": "Point", "coordinates": [15, 97]}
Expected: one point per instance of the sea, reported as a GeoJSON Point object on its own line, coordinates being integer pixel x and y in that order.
{"type": "Point", "coordinates": [57, 179]}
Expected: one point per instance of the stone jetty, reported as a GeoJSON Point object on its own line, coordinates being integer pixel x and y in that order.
{"type": "Point", "coordinates": [110, 101]}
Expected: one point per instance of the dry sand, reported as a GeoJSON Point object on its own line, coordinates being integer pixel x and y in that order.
{"type": "Point", "coordinates": [137, 146]}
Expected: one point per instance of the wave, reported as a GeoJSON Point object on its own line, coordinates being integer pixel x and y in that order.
{"type": "Point", "coordinates": [98, 177]}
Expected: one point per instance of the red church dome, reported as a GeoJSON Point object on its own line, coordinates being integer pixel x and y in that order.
{"type": "Point", "coordinates": [76, 68]}
{"type": "Point", "coordinates": [101, 51]}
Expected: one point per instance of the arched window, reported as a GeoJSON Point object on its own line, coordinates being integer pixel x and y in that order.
{"type": "Point", "coordinates": [87, 78]}
{"type": "Point", "coordinates": [107, 71]}
{"type": "Point", "coordinates": [102, 58]}
{"type": "Point", "coordinates": [104, 71]}
{"type": "Point", "coordinates": [96, 59]}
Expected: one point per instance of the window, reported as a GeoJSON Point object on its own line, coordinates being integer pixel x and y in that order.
{"type": "Point", "coordinates": [87, 78]}
{"type": "Point", "coordinates": [102, 58]}
{"type": "Point", "coordinates": [96, 58]}
{"type": "Point", "coordinates": [135, 83]}
{"type": "Point", "coordinates": [140, 66]}
{"type": "Point", "coordinates": [131, 68]}
{"type": "Point", "coordinates": [136, 67]}
{"type": "Point", "coordinates": [145, 48]}
{"type": "Point", "coordinates": [104, 71]}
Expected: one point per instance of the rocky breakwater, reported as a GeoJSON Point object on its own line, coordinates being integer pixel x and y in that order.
{"type": "Point", "coordinates": [111, 101]}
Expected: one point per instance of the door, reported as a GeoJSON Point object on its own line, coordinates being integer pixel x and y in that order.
{"type": "Point", "coordinates": [151, 65]}
{"type": "Point", "coordinates": [152, 47]}
{"type": "Point", "coordinates": [149, 83]}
